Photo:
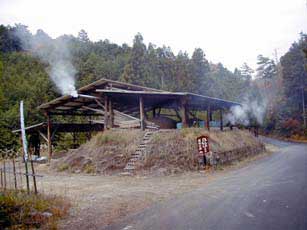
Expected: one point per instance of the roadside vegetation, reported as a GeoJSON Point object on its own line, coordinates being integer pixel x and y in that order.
{"type": "Point", "coordinates": [18, 210]}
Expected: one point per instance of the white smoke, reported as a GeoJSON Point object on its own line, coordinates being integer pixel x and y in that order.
{"type": "Point", "coordinates": [62, 74]}
{"type": "Point", "coordinates": [55, 53]}
{"type": "Point", "coordinates": [250, 109]}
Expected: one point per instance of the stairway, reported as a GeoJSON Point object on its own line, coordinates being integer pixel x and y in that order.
{"type": "Point", "coordinates": [141, 150]}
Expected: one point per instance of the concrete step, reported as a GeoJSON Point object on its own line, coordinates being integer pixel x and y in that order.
{"type": "Point", "coordinates": [129, 168]}
{"type": "Point", "coordinates": [126, 174]}
{"type": "Point", "coordinates": [134, 159]}
{"type": "Point", "coordinates": [137, 155]}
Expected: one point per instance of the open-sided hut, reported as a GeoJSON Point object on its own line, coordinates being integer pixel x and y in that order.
{"type": "Point", "coordinates": [110, 104]}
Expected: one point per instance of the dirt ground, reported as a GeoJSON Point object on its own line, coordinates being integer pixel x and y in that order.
{"type": "Point", "coordinates": [99, 200]}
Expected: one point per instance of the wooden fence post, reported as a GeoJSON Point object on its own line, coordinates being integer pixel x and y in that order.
{"type": "Point", "coordinates": [33, 176]}
{"type": "Point", "coordinates": [4, 174]}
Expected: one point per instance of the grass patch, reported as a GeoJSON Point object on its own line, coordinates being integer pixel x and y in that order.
{"type": "Point", "coordinates": [63, 167]}
{"type": "Point", "coordinates": [18, 210]}
{"type": "Point", "coordinates": [108, 137]}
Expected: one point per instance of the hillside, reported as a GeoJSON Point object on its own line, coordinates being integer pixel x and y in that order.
{"type": "Point", "coordinates": [169, 151]}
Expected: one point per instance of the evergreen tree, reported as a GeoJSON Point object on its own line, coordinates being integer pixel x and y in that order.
{"type": "Point", "coordinates": [134, 71]}
{"type": "Point", "coordinates": [246, 72]}
{"type": "Point", "coordinates": [266, 67]}
{"type": "Point", "coordinates": [82, 36]}
{"type": "Point", "coordinates": [199, 70]}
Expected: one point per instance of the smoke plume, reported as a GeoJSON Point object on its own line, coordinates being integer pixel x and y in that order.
{"type": "Point", "coordinates": [250, 110]}
{"type": "Point", "coordinates": [56, 54]}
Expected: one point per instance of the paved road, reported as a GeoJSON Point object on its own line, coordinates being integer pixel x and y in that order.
{"type": "Point", "coordinates": [268, 194]}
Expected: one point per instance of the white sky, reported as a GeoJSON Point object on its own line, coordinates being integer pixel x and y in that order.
{"type": "Point", "coordinates": [231, 32]}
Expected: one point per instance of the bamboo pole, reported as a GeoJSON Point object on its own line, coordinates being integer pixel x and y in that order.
{"type": "Point", "coordinates": [14, 171]}
{"type": "Point", "coordinates": [24, 145]}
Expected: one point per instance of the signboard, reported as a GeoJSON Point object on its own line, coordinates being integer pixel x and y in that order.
{"type": "Point", "coordinates": [203, 148]}
{"type": "Point", "coordinates": [203, 145]}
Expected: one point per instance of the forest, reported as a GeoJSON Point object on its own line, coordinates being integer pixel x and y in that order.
{"type": "Point", "coordinates": [279, 82]}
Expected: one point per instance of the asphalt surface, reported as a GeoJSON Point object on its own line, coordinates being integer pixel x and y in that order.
{"type": "Point", "coordinates": [268, 194]}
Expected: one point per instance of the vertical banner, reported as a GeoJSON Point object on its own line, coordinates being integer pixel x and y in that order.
{"type": "Point", "coordinates": [23, 133]}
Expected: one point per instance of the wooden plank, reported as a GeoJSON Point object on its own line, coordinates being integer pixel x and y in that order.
{"type": "Point", "coordinates": [43, 136]}
{"type": "Point", "coordinates": [92, 109]}
{"type": "Point", "coordinates": [88, 96]}
{"type": "Point", "coordinates": [97, 121]}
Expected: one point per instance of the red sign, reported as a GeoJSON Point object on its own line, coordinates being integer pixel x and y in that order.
{"type": "Point", "coordinates": [203, 145]}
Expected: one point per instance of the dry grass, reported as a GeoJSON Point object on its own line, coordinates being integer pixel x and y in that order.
{"type": "Point", "coordinates": [170, 151]}
{"type": "Point", "coordinates": [104, 153]}
{"type": "Point", "coordinates": [176, 150]}
{"type": "Point", "coordinates": [18, 210]}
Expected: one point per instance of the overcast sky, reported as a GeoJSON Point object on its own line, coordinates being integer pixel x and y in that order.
{"type": "Point", "coordinates": [231, 32]}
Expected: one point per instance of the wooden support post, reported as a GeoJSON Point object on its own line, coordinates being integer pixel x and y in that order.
{"type": "Point", "coordinates": [221, 120]}
{"type": "Point", "coordinates": [111, 114]}
{"type": "Point", "coordinates": [74, 139]}
{"type": "Point", "coordinates": [106, 116]}
{"type": "Point", "coordinates": [49, 136]}
{"type": "Point", "coordinates": [208, 118]}
{"type": "Point", "coordinates": [184, 113]}
{"type": "Point", "coordinates": [154, 112]}
{"type": "Point", "coordinates": [142, 113]}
